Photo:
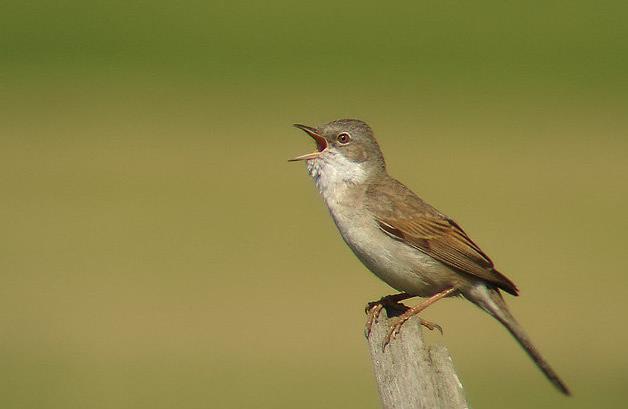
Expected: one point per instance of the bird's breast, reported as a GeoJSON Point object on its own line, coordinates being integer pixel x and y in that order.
{"type": "Point", "coordinates": [399, 265]}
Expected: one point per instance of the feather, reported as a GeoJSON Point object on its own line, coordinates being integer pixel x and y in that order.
{"type": "Point", "coordinates": [405, 217]}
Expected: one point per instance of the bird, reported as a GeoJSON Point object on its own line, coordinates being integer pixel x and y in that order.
{"type": "Point", "coordinates": [403, 240]}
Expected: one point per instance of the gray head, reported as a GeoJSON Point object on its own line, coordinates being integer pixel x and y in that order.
{"type": "Point", "coordinates": [345, 144]}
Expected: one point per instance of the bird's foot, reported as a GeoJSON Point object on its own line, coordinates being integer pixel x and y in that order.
{"type": "Point", "coordinates": [374, 308]}
{"type": "Point", "coordinates": [394, 329]}
{"type": "Point", "coordinates": [372, 313]}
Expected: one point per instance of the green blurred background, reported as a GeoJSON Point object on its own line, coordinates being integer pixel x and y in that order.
{"type": "Point", "coordinates": [159, 251]}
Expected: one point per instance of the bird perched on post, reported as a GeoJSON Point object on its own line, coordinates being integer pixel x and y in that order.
{"type": "Point", "coordinates": [404, 241]}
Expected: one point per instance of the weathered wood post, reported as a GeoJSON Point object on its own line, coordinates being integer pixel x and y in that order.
{"type": "Point", "coordinates": [411, 374]}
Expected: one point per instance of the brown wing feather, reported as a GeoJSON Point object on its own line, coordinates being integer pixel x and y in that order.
{"type": "Point", "coordinates": [420, 225]}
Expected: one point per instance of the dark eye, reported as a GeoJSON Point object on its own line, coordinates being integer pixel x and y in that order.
{"type": "Point", "coordinates": [343, 138]}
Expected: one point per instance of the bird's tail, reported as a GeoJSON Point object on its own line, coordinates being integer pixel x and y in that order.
{"type": "Point", "coordinates": [491, 301]}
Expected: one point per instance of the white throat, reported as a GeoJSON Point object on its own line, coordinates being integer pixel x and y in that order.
{"type": "Point", "coordinates": [334, 174]}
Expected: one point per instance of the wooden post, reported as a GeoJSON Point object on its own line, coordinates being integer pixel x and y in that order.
{"type": "Point", "coordinates": [411, 374]}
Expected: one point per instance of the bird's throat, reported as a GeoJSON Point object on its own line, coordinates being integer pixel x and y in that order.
{"type": "Point", "coordinates": [336, 177]}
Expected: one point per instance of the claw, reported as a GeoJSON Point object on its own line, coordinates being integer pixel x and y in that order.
{"type": "Point", "coordinates": [373, 310]}
{"type": "Point", "coordinates": [431, 325]}
{"type": "Point", "coordinates": [370, 306]}
{"type": "Point", "coordinates": [395, 329]}
{"type": "Point", "coordinates": [392, 332]}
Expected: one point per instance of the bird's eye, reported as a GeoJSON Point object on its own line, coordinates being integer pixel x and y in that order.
{"type": "Point", "coordinates": [343, 138]}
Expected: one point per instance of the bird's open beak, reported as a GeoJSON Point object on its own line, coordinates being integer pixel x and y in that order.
{"type": "Point", "coordinates": [321, 143]}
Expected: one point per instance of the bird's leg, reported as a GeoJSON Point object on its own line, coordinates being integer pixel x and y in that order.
{"type": "Point", "coordinates": [373, 308]}
{"type": "Point", "coordinates": [396, 327]}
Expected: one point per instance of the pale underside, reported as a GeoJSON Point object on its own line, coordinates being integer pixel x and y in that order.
{"type": "Point", "coordinates": [401, 239]}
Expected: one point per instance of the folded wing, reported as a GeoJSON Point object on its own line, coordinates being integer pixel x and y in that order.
{"type": "Point", "coordinates": [419, 225]}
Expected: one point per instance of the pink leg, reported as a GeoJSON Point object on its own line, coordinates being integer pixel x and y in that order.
{"type": "Point", "coordinates": [396, 327]}
{"type": "Point", "coordinates": [374, 308]}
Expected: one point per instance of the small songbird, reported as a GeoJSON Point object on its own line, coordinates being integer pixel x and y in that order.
{"type": "Point", "coordinates": [404, 241]}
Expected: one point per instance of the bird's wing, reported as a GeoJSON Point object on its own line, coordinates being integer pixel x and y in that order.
{"type": "Point", "coordinates": [419, 225]}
